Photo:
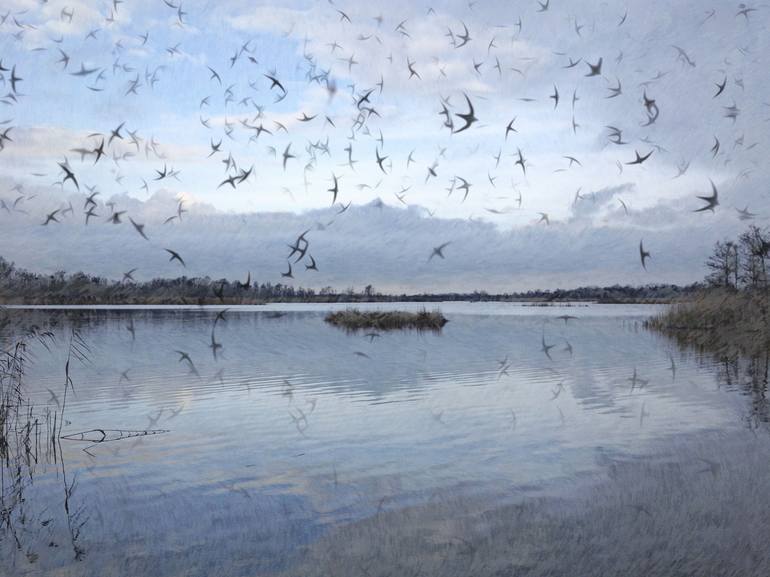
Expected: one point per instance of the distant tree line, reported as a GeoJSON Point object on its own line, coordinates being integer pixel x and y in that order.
{"type": "Point", "coordinates": [740, 264]}
{"type": "Point", "coordinates": [19, 286]}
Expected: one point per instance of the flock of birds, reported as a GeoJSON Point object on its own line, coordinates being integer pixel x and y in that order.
{"type": "Point", "coordinates": [365, 142]}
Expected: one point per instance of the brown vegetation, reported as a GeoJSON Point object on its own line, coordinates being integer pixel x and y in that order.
{"type": "Point", "coordinates": [354, 319]}
{"type": "Point", "coordinates": [723, 321]}
{"type": "Point", "coordinates": [730, 317]}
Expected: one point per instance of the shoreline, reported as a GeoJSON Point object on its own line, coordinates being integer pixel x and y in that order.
{"type": "Point", "coordinates": [208, 302]}
{"type": "Point", "coordinates": [725, 322]}
{"type": "Point", "coordinates": [272, 304]}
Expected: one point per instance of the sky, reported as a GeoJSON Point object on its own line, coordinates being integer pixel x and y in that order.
{"type": "Point", "coordinates": [176, 89]}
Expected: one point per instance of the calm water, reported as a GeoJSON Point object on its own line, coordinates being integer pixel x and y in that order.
{"type": "Point", "coordinates": [301, 449]}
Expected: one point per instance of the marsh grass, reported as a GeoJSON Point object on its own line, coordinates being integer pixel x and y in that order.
{"type": "Point", "coordinates": [721, 321]}
{"type": "Point", "coordinates": [355, 319]}
{"type": "Point", "coordinates": [30, 438]}
{"type": "Point", "coordinates": [25, 435]}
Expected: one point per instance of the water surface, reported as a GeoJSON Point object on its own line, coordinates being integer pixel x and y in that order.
{"type": "Point", "coordinates": [301, 449]}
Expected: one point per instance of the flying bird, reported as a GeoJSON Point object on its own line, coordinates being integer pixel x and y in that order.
{"type": "Point", "coordinates": [711, 201]}
{"type": "Point", "coordinates": [643, 255]}
{"type": "Point", "coordinates": [439, 251]}
{"type": "Point", "coordinates": [640, 159]}
{"type": "Point", "coordinates": [175, 256]}
{"type": "Point", "coordinates": [469, 117]}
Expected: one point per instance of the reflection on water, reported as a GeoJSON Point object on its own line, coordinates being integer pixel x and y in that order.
{"type": "Point", "coordinates": [294, 448]}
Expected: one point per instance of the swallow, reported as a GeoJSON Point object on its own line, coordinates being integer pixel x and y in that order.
{"type": "Point", "coordinates": [555, 97]}
{"type": "Point", "coordinates": [334, 189]}
{"type": "Point", "coordinates": [129, 276]}
{"type": "Point", "coordinates": [744, 11]}
{"type": "Point", "coordinates": [14, 79]}
{"type": "Point", "coordinates": [287, 155]}
{"type": "Point", "coordinates": [114, 218]}
{"type": "Point", "coordinates": [175, 256]}
{"type": "Point", "coordinates": [521, 161]}
{"type": "Point", "coordinates": [139, 228]}
{"type": "Point", "coordinates": [640, 159]}
{"type": "Point", "coordinates": [683, 56]}
{"type": "Point", "coordinates": [274, 82]}
{"type": "Point", "coordinates": [720, 87]}
{"type": "Point", "coordinates": [594, 69]}
{"type": "Point", "coordinates": [229, 180]}
{"type": "Point", "coordinates": [215, 148]}
{"type": "Point", "coordinates": [573, 63]}
{"type": "Point", "coordinates": [466, 186]}
{"type": "Point", "coordinates": [214, 75]}
{"type": "Point", "coordinates": [116, 134]}
{"type": "Point", "coordinates": [682, 168]}
{"type": "Point", "coordinates": [245, 174]}
{"type": "Point", "coordinates": [412, 71]}
{"type": "Point", "coordinates": [380, 160]}
{"type": "Point", "coordinates": [711, 201]}
{"type": "Point", "coordinates": [469, 117]}
{"type": "Point", "coordinates": [715, 148]}
{"type": "Point", "coordinates": [51, 217]}
{"type": "Point", "coordinates": [162, 174]}
{"type": "Point", "coordinates": [439, 251]}
{"type": "Point", "coordinates": [615, 91]}
{"type": "Point", "coordinates": [745, 214]}
{"type": "Point", "coordinates": [90, 214]}
{"type": "Point", "coordinates": [465, 37]}
{"type": "Point", "coordinates": [546, 349]}
{"type": "Point", "coordinates": [214, 346]}
{"type": "Point", "coordinates": [99, 151]}
{"type": "Point", "coordinates": [68, 174]}
{"type": "Point", "coordinates": [643, 255]}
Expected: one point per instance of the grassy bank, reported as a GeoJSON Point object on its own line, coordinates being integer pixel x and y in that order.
{"type": "Point", "coordinates": [723, 321]}
{"type": "Point", "coordinates": [354, 319]}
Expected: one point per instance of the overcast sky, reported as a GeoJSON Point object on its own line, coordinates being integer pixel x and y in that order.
{"type": "Point", "coordinates": [180, 80]}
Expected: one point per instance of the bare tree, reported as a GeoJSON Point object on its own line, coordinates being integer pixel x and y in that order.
{"type": "Point", "coordinates": [754, 247]}
{"type": "Point", "coordinates": [723, 265]}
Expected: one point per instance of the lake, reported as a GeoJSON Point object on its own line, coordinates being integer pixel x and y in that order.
{"type": "Point", "coordinates": [513, 442]}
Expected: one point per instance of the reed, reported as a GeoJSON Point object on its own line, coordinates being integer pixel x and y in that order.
{"type": "Point", "coordinates": [725, 321]}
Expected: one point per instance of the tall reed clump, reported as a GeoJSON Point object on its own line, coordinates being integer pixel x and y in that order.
{"type": "Point", "coordinates": [24, 432]}
{"type": "Point", "coordinates": [20, 436]}
{"type": "Point", "coordinates": [355, 319]}
{"type": "Point", "coordinates": [724, 321]}
{"type": "Point", "coordinates": [29, 439]}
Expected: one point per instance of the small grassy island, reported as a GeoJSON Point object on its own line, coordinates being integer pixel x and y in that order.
{"type": "Point", "coordinates": [354, 319]}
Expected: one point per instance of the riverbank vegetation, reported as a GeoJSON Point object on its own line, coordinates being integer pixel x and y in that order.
{"type": "Point", "coordinates": [731, 314]}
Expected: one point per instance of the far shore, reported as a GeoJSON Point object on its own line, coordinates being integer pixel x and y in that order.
{"type": "Point", "coordinates": [188, 303]}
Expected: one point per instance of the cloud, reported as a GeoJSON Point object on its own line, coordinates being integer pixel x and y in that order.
{"type": "Point", "coordinates": [386, 246]}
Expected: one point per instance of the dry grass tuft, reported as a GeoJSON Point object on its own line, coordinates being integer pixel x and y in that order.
{"type": "Point", "coordinates": [354, 319]}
